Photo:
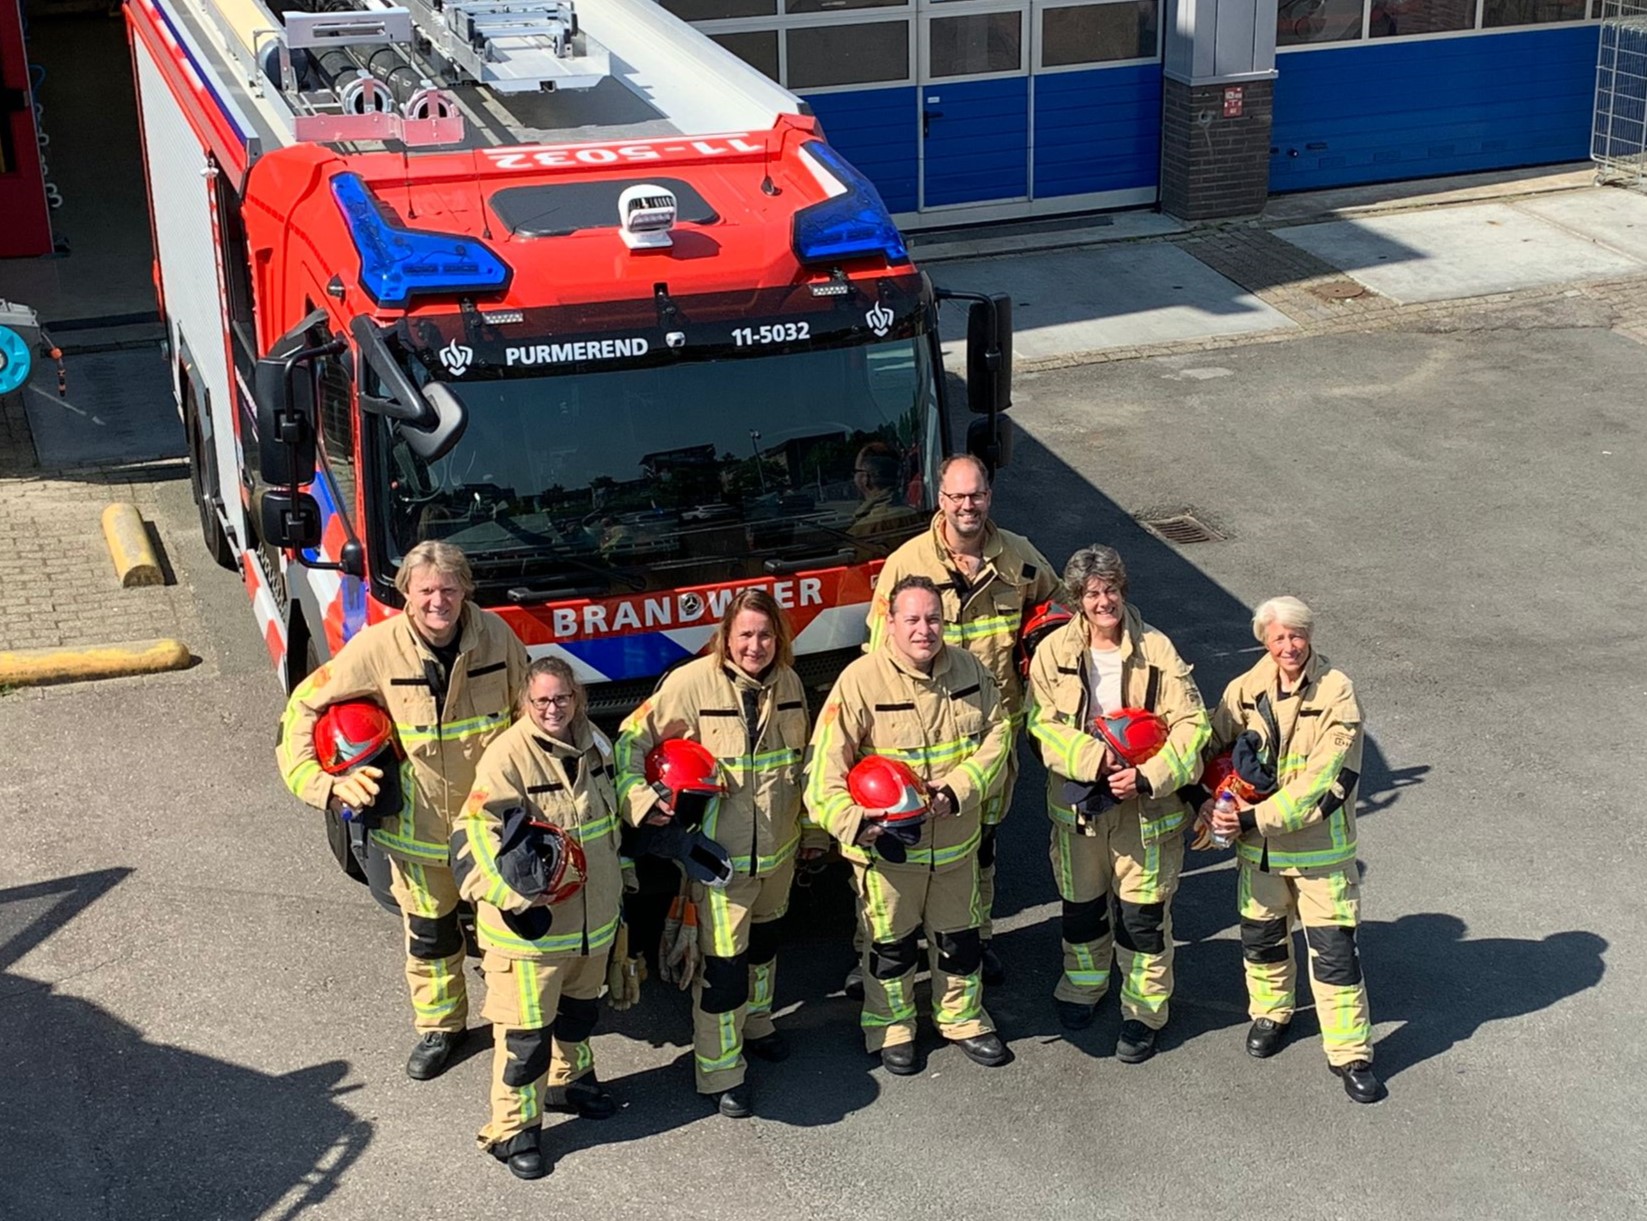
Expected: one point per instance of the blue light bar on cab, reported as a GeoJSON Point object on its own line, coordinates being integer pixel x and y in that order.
{"type": "Point", "coordinates": [397, 264]}
{"type": "Point", "coordinates": [852, 225]}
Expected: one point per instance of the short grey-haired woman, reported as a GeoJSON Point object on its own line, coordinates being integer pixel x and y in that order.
{"type": "Point", "coordinates": [1296, 843]}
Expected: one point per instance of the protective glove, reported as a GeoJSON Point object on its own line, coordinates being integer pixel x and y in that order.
{"type": "Point", "coordinates": [678, 954]}
{"type": "Point", "coordinates": [358, 789]}
{"type": "Point", "coordinates": [623, 973]}
{"type": "Point", "coordinates": [1203, 840]}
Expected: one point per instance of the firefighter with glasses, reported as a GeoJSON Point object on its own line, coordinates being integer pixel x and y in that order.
{"type": "Point", "coordinates": [988, 579]}
{"type": "Point", "coordinates": [448, 675]}
{"type": "Point", "coordinates": [909, 747]}
{"type": "Point", "coordinates": [536, 852]}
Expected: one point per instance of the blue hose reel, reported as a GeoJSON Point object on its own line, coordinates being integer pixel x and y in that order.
{"type": "Point", "coordinates": [15, 360]}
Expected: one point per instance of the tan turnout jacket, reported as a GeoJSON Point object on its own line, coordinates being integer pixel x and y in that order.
{"type": "Point", "coordinates": [949, 726]}
{"type": "Point", "coordinates": [568, 784]}
{"type": "Point", "coordinates": [1308, 823]}
{"type": "Point", "coordinates": [389, 662]}
{"type": "Point", "coordinates": [1059, 716]}
{"type": "Point", "coordinates": [758, 820]}
{"type": "Point", "coordinates": [983, 613]}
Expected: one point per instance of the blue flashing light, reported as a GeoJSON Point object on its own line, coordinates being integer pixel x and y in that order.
{"type": "Point", "coordinates": [397, 264]}
{"type": "Point", "coordinates": [852, 225]}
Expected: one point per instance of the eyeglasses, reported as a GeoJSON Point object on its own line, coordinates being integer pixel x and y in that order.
{"type": "Point", "coordinates": [558, 701]}
{"type": "Point", "coordinates": [956, 498]}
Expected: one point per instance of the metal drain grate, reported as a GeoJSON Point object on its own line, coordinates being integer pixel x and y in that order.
{"type": "Point", "coordinates": [1182, 528]}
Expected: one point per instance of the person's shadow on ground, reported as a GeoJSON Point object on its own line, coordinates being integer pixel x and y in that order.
{"type": "Point", "coordinates": [99, 1120]}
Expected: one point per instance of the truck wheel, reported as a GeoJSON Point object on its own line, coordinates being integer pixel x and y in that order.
{"type": "Point", "coordinates": [200, 483]}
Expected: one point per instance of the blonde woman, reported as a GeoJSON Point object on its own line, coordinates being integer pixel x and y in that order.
{"type": "Point", "coordinates": [544, 955]}
{"type": "Point", "coordinates": [1296, 846]}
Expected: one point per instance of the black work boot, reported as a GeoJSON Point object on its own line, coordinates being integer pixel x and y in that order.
{"type": "Point", "coordinates": [1265, 1037]}
{"type": "Point", "coordinates": [1360, 1082]}
{"type": "Point", "coordinates": [584, 1096]}
{"type": "Point", "coordinates": [772, 1048]}
{"type": "Point", "coordinates": [735, 1103]}
{"type": "Point", "coordinates": [433, 1053]}
{"type": "Point", "coordinates": [1136, 1044]}
{"type": "Point", "coordinates": [522, 1155]}
{"type": "Point", "coordinates": [899, 1059]}
{"type": "Point", "coordinates": [985, 1049]}
{"type": "Point", "coordinates": [1073, 1015]}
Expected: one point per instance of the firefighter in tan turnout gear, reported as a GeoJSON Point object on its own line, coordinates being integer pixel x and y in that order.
{"type": "Point", "coordinates": [448, 673]}
{"type": "Point", "coordinates": [1116, 829]}
{"type": "Point", "coordinates": [935, 709]}
{"type": "Point", "coordinates": [544, 952]}
{"type": "Point", "coordinates": [744, 702]}
{"type": "Point", "coordinates": [1296, 844]}
{"type": "Point", "coordinates": [986, 576]}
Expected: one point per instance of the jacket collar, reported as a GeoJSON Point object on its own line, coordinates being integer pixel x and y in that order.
{"type": "Point", "coordinates": [469, 631]}
{"type": "Point", "coordinates": [578, 743]}
{"type": "Point", "coordinates": [993, 543]}
{"type": "Point", "coordinates": [743, 682]}
{"type": "Point", "coordinates": [940, 664]}
{"type": "Point", "coordinates": [1075, 636]}
{"type": "Point", "coordinates": [1314, 667]}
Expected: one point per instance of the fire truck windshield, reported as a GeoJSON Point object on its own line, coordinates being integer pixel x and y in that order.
{"type": "Point", "coordinates": [675, 473]}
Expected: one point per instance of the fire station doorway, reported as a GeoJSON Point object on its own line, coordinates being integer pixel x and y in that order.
{"type": "Point", "coordinates": [1037, 106]}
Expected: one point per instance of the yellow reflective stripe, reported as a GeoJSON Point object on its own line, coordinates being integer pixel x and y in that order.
{"type": "Point", "coordinates": [556, 943]}
{"type": "Point", "coordinates": [589, 832]}
{"type": "Point", "coordinates": [1283, 859]}
{"type": "Point", "coordinates": [817, 798]}
{"type": "Point", "coordinates": [300, 776]}
{"type": "Point", "coordinates": [770, 861]}
{"type": "Point", "coordinates": [531, 1011]}
{"type": "Point", "coordinates": [480, 847]}
{"type": "Point", "coordinates": [453, 731]}
{"type": "Point", "coordinates": [767, 761]}
{"type": "Point", "coordinates": [977, 629]}
{"type": "Point", "coordinates": [938, 752]}
{"type": "Point", "coordinates": [1063, 739]}
{"type": "Point", "coordinates": [407, 846]}
{"type": "Point", "coordinates": [721, 921]}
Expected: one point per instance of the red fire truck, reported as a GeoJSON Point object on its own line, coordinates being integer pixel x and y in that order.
{"type": "Point", "coordinates": [572, 288]}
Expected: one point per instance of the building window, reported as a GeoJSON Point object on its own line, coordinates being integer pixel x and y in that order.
{"type": "Point", "coordinates": [719, 10]}
{"type": "Point", "coordinates": [1099, 33]}
{"type": "Point", "coordinates": [860, 53]}
{"type": "Point", "coordinates": [1300, 22]}
{"type": "Point", "coordinates": [835, 6]}
{"type": "Point", "coordinates": [978, 43]}
{"type": "Point", "coordinates": [1391, 18]}
{"type": "Point", "coordinates": [1529, 12]}
{"type": "Point", "coordinates": [757, 48]}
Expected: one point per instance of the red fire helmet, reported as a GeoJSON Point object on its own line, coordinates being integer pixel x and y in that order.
{"type": "Point", "coordinates": [1134, 734]}
{"type": "Point", "coordinates": [1040, 621]}
{"type": "Point", "coordinates": [678, 766]}
{"type": "Point", "coordinates": [563, 854]}
{"type": "Point", "coordinates": [888, 789]}
{"type": "Point", "coordinates": [351, 733]}
{"type": "Point", "coordinates": [1220, 776]}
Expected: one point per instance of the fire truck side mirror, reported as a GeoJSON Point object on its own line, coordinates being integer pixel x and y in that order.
{"type": "Point", "coordinates": [989, 355]}
{"type": "Point", "coordinates": [285, 421]}
{"type": "Point", "coordinates": [989, 439]}
{"type": "Point", "coordinates": [433, 441]}
{"type": "Point", "coordinates": [289, 520]}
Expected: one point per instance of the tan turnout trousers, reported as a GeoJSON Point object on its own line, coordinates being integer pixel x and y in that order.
{"type": "Point", "coordinates": [740, 920]}
{"type": "Point", "coordinates": [1142, 877]}
{"type": "Point", "coordinates": [1329, 907]}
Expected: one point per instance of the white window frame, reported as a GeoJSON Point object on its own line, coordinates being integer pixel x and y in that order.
{"type": "Point", "coordinates": [1037, 7]}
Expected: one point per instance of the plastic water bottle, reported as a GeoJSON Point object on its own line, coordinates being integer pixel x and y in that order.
{"type": "Point", "coordinates": [1224, 805]}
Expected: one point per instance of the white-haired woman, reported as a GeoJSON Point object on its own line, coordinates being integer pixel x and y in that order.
{"type": "Point", "coordinates": [1296, 845]}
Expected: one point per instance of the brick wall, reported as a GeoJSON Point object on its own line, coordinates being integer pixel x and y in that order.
{"type": "Point", "coordinates": [1212, 166]}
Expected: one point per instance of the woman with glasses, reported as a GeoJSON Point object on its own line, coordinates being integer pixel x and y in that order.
{"type": "Point", "coordinates": [744, 702]}
{"type": "Point", "coordinates": [544, 957]}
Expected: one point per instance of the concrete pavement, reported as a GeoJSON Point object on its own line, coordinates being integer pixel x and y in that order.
{"type": "Point", "coordinates": [204, 1019]}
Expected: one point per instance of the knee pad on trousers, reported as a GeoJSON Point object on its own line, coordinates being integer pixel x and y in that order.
{"type": "Point", "coordinates": [1264, 941]}
{"type": "Point", "coordinates": [960, 953]}
{"type": "Point", "coordinates": [1084, 922]}
{"type": "Point", "coordinates": [763, 942]}
{"type": "Point", "coordinates": [1141, 929]}
{"type": "Point", "coordinates": [986, 849]}
{"type": "Point", "coordinates": [575, 1021]}
{"type": "Point", "coordinates": [725, 982]}
{"type": "Point", "coordinates": [890, 959]}
{"type": "Point", "coordinates": [528, 1056]}
{"type": "Point", "coordinates": [432, 939]}
{"type": "Point", "coordinates": [1335, 961]}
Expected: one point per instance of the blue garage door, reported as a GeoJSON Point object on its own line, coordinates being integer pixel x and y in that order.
{"type": "Point", "coordinates": [974, 104]}
{"type": "Point", "coordinates": [1394, 108]}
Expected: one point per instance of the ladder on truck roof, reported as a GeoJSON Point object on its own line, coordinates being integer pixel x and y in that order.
{"type": "Point", "coordinates": [414, 71]}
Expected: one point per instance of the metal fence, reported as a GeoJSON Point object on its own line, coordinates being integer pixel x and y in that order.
{"type": "Point", "coordinates": [1618, 140]}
